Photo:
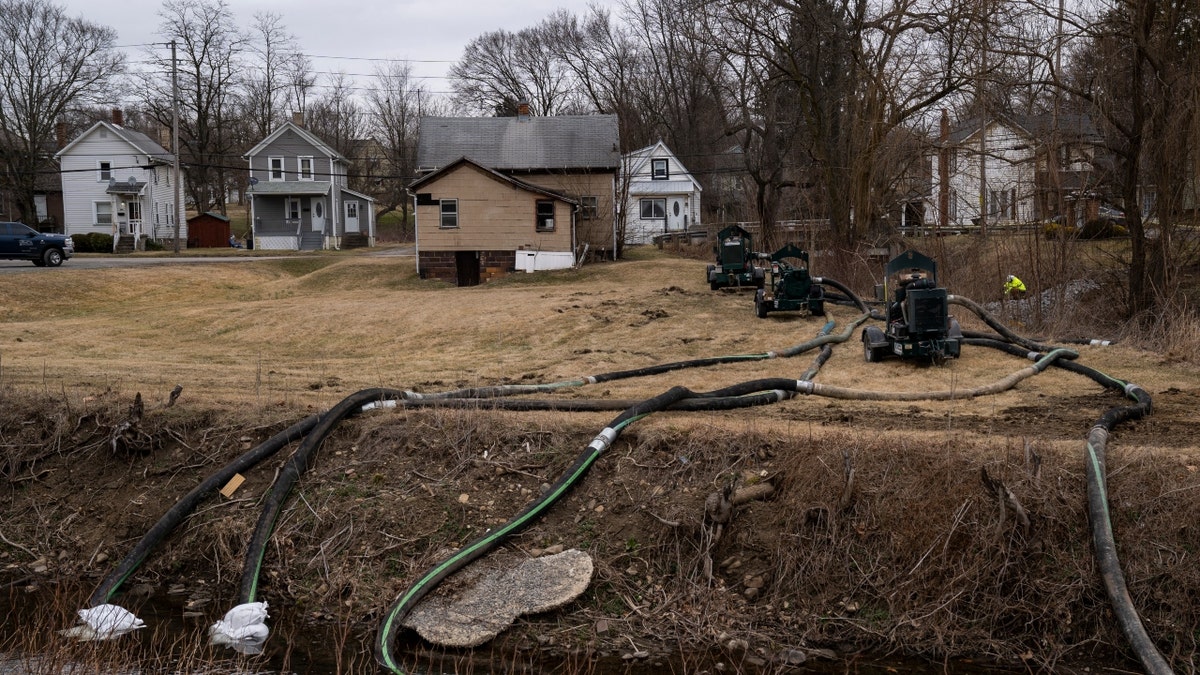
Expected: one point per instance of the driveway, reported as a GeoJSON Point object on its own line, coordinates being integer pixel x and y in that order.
{"type": "Point", "coordinates": [94, 262]}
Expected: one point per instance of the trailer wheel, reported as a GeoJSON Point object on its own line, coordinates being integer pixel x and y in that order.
{"type": "Point", "coordinates": [869, 354]}
{"type": "Point", "coordinates": [760, 305]}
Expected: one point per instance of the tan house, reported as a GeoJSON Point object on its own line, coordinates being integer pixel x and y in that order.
{"type": "Point", "coordinates": [505, 194]}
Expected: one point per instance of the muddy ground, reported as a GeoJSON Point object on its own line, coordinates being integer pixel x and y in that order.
{"type": "Point", "coordinates": [880, 533]}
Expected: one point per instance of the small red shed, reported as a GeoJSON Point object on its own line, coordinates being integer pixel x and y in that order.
{"type": "Point", "coordinates": [208, 230]}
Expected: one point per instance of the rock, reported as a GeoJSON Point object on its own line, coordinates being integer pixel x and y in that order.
{"type": "Point", "coordinates": [500, 593]}
{"type": "Point", "coordinates": [101, 558]}
{"type": "Point", "coordinates": [751, 593]}
{"type": "Point", "coordinates": [792, 657]}
{"type": "Point", "coordinates": [602, 626]}
{"type": "Point", "coordinates": [553, 550]}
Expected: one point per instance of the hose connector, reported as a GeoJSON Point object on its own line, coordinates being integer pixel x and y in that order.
{"type": "Point", "coordinates": [804, 386]}
{"type": "Point", "coordinates": [605, 439]}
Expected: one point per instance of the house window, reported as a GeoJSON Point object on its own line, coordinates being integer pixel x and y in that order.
{"type": "Point", "coordinates": [351, 210]}
{"type": "Point", "coordinates": [276, 164]}
{"type": "Point", "coordinates": [589, 208]}
{"type": "Point", "coordinates": [654, 209]}
{"type": "Point", "coordinates": [103, 213]}
{"type": "Point", "coordinates": [306, 168]}
{"type": "Point", "coordinates": [545, 215]}
{"type": "Point", "coordinates": [449, 209]}
{"type": "Point", "coordinates": [103, 171]}
{"type": "Point", "coordinates": [658, 169]}
{"type": "Point", "coordinates": [170, 213]}
{"type": "Point", "coordinates": [293, 210]}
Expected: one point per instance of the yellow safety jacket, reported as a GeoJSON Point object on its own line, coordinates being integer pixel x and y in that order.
{"type": "Point", "coordinates": [1014, 285]}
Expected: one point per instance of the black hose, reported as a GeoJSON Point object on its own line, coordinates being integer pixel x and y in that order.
{"type": "Point", "coordinates": [1099, 518]}
{"type": "Point", "coordinates": [184, 507]}
{"type": "Point", "coordinates": [291, 472]}
{"type": "Point", "coordinates": [858, 302]}
{"type": "Point", "coordinates": [480, 546]}
{"type": "Point", "coordinates": [995, 323]}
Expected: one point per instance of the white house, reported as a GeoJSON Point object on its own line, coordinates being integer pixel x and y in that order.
{"type": "Point", "coordinates": [118, 181]}
{"type": "Point", "coordinates": [663, 197]}
{"type": "Point", "coordinates": [1013, 168]}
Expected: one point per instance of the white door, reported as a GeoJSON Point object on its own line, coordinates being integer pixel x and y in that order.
{"type": "Point", "coordinates": [351, 216]}
{"type": "Point", "coordinates": [318, 215]}
{"type": "Point", "coordinates": [676, 214]}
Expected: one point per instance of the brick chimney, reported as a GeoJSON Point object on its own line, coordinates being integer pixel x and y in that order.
{"type": "Point", "coordinates": [522, 110]}
{"type": "Point", "coordinates": [118, 117]}
{"type": "Point", "coordinates": [60, 134]}
{"type": "Point", "coordinates": [298, 118]}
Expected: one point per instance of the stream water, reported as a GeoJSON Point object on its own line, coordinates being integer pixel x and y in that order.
{"type": "Point", "coordinates": [174, 642]}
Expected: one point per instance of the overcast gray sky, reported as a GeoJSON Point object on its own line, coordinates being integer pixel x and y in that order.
{"type": "Point", "coordinates": [430, 32]}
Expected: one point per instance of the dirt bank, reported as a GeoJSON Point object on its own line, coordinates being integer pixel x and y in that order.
{"type": "Point", "coordinates": [913, 554]}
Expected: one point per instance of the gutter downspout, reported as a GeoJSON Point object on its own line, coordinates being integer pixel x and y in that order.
{"type": "Point", "coordinates": [416, 237]}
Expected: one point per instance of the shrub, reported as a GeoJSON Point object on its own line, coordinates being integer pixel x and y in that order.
{"type": "Point", "coordinates": [154, 245]}
{"type": "Point", "coordinates": [1102, 228]}
{"type": "Point", "coordinates": [93, 242]}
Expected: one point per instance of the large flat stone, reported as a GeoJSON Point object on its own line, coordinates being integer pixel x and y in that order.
{"type": "Point", "coordinates": [492, 594]}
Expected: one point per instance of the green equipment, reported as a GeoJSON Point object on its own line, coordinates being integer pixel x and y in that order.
{"type": "Point", "coordinates": [735, 266]}
{"type": "Point", "coordinates": [791, 287]}
{"type": "Point", "coordinates": [919, 324]}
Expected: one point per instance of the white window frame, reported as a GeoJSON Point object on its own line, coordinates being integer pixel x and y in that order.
{"type": "Point", "coordinates": [96, 222]}
{"type": "Point", "coordinates": [104, 170]}
{"type": "Point", "coordinates": [652, 202]}
{"type": "Point", "coordinates": [293, 209]}
{"type": "Point", "coordinates": [444, 214]}
{"type": "Point", "coordinates": [659, 169]}
{"type": "Point", "coordinates": [311, 172]}
{"type": "Point", "coordinates": [272, 171]}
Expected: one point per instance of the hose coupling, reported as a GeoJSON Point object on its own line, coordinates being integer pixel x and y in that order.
{"type": "Point", "coordinates": [605, 438]}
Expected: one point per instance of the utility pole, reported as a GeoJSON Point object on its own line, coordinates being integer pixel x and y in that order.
{"type": "Point", "coordinates": [175, 142]}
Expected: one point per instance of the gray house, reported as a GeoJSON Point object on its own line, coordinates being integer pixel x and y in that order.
{"type": "Point", "coordinates": [299, 199]}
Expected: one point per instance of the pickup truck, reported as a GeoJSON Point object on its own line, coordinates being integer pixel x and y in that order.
{"type": "Point", "coordinates": [21, 242]}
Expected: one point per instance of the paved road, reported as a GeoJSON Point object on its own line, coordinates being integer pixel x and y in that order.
{"type": "Point", "coordinates": [109, 262]}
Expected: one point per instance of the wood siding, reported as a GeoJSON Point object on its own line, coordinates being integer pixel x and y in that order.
{"type": "Point", "coordinates": [82, 186]}
{"type": "Point", "coordinates": [597, 232]}
{"type": "Point", "coordinates": [492, 216]}
{"type": "Point", "coordinates": [291, 147]}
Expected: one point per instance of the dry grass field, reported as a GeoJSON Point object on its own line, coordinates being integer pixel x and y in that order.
{"type": "Point", "coordinates": [920, 561]}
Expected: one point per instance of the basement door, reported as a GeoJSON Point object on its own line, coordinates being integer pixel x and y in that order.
{"type": "Point", "coordinates": [466, 266]}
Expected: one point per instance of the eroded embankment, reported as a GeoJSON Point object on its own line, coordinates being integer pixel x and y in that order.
{"type": "Point", "coordinates": [885, 539]}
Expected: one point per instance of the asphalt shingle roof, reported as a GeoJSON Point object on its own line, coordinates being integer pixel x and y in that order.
{"type": "Point", "coordinates": [513, 144]}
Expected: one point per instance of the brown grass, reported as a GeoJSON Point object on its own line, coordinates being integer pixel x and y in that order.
{"type": "Point", "coordinates": [920, 561]}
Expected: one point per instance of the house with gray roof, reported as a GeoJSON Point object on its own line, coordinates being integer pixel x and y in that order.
{"type": "Point", "coordinates": [502, 194]}
{"type": "Point", "coordinates": [119, 181]}
{"type": "Point", "coordinates": [299, 198]}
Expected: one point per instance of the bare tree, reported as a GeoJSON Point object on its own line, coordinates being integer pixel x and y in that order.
{"type": "Point", "coordinates": [500, 69]}
{"type": "Point", "coordinates": [337, 118]}
{"type": "Point", "coordinates": [855, 72]}
{"type": "Point", "coordinates": [49, 63]}
{"type": "Point", "coordinates": [394, 110]}
{"type": "Point", "coordinates": [273, 53]}
{"type": "Point", "coordinates": [1135, 72]}
{"type": "Point", "coordinates": [210, 48]}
